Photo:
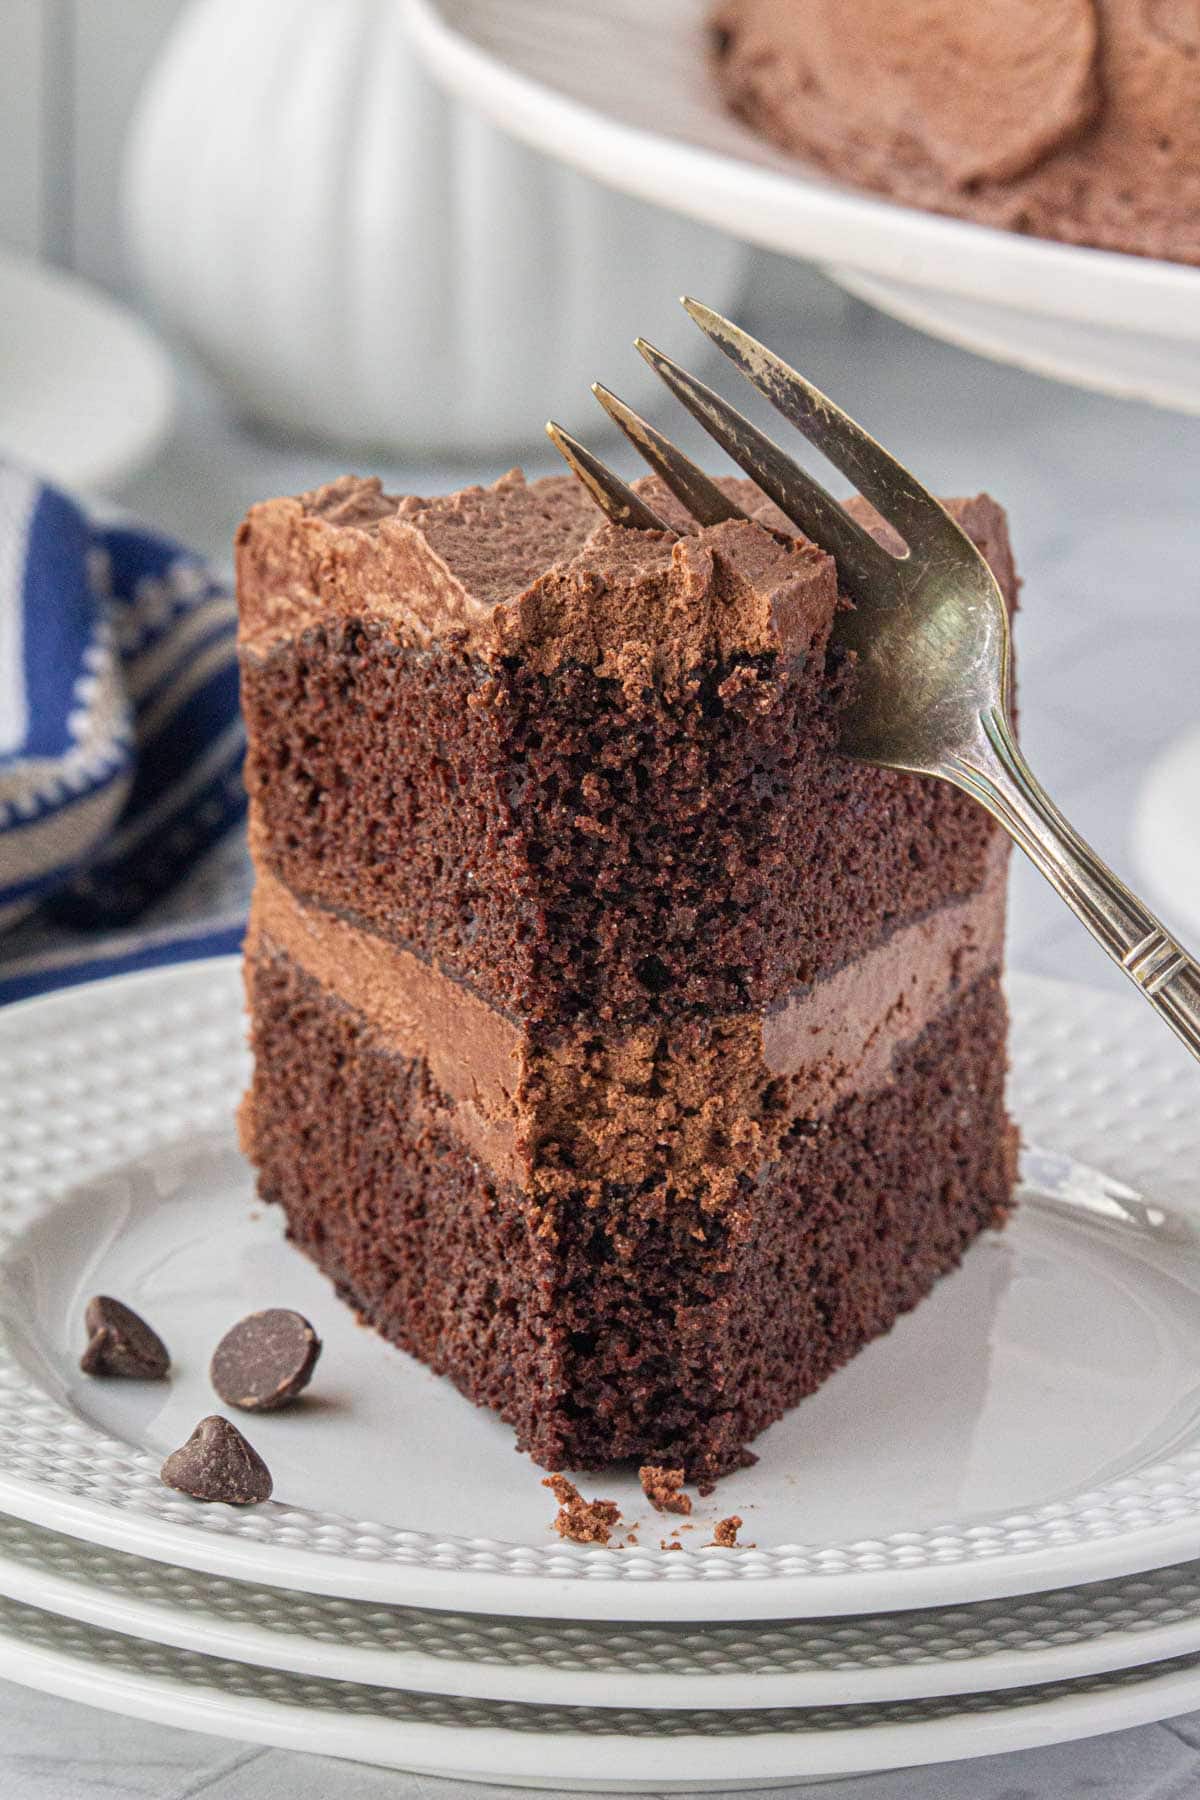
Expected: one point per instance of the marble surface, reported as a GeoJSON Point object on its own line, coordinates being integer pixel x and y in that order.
{"type": "Point", "coordinates": [1102, 498]}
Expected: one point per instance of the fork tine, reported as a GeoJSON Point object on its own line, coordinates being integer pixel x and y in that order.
{"type": "Point", "coordinates": [895, 493]}
{"type": "Point", "coordinates": [794, 491]}
{"type": "Point", "coordinates": [689, 484]}
{"type": "Point", "coordinates": [613, 496]}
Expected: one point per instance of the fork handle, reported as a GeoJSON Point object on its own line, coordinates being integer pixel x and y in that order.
{"type": "Point", "coordinates": [996, 774]}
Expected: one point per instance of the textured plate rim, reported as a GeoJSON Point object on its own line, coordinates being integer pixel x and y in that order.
{"type": "Point", "coordinates": [679, 1761]}
{"type": "Point", "coordinates": [785, 211]}
{"type": "Point", "coordinates": [610, 1684]}
{"type": "Point", "coordinates": [1091, 1539]}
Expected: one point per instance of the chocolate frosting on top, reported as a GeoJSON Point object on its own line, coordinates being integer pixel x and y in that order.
{"type": "Point", "coordinates": [533, 569]}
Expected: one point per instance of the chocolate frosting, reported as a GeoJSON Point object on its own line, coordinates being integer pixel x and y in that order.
{"type": "Point", "coordinates": [474, 1053]}
{"type": "Point", "coordinates": [986, 91]}
{"type": "Point", "coordinates": [532, 569]}
{"type": "Point", "coordinates": [702, 1102]}
{"type": "Point", "coordinates": [1070, 118]}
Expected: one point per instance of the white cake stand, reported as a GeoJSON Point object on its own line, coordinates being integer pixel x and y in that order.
{"type": "Point", "coordinates": [621, 90]}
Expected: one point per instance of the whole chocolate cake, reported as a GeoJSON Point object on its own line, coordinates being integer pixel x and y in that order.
{"type": "Point", "coordinates": [1074, 119]}
{"type": "Point", "coordinates": [620, 1049]}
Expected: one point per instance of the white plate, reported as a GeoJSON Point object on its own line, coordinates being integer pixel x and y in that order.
{"type": "Point", "coordinates": [1166, 830]}
{"type": "Point", "coordinates": [86, 392]}
{"type": "Point", "coordinates": [578, 1748]}
{"type": "Point", "coordinates": [1036, 1422]}
{"type": "Point", "coordinates": [621, 90]}
{"type": "Point", "coordinates": [1131, 365]}
{"type": "Point", "coordinates": [1061, 1635]}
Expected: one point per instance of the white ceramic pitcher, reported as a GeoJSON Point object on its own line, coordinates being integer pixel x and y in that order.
{"type": "Point", "coordinates": [362, 259]}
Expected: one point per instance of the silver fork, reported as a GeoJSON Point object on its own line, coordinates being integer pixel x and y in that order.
{"type": "Point", "coordinates": [929, 629]}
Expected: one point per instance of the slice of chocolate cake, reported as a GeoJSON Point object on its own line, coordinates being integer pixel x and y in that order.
{"type": "Point", "coordinates": [620, 1049]}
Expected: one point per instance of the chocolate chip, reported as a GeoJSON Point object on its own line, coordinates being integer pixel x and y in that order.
{"type": "Point", "coordinates": [217, 1463]}
{"type": "Point", "coordinates": [265, 1360]}
{"type": "Point", "coordinates": [121, 1343]}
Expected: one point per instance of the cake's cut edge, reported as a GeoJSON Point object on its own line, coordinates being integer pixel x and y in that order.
{"type": "Point", "coordinates": [704, 1099]}
{"type": "Point", "coordinates": [663, 1323]}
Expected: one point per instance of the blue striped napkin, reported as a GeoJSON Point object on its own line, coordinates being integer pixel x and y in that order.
{"type": "Point", "coordinates": [121, 743]}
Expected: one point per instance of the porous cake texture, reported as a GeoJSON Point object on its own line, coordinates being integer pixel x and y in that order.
{"type": "Point", "coordinates": [619, 1049]}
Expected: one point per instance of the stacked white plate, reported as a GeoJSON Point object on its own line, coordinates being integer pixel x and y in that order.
{"type": "Point", "coordinates": [976, 1537]}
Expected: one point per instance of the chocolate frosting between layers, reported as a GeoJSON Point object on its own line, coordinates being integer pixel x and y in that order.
{"type": "Point", "coordinates": [702, 1102]}
{"type": "Point", "coordinates": [474, 1053]}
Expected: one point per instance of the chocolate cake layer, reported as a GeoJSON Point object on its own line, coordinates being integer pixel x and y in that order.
{"type": "Point", "coordinates": [666, 1320]}
{"type": "Point", "coordinates": [559, 785]}
{"type": "Point", "coordinates": [1074, 119]}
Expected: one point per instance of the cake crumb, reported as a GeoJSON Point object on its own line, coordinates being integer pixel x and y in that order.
{"type": "Point", "coordinates": [663, 1488]}
{"type": "Point", "coordinates": [725, 1532]}
{"type": "Point", "coordinates": [583, 1521]}
{"type": "Point", "coordinates": [669, 1544]}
